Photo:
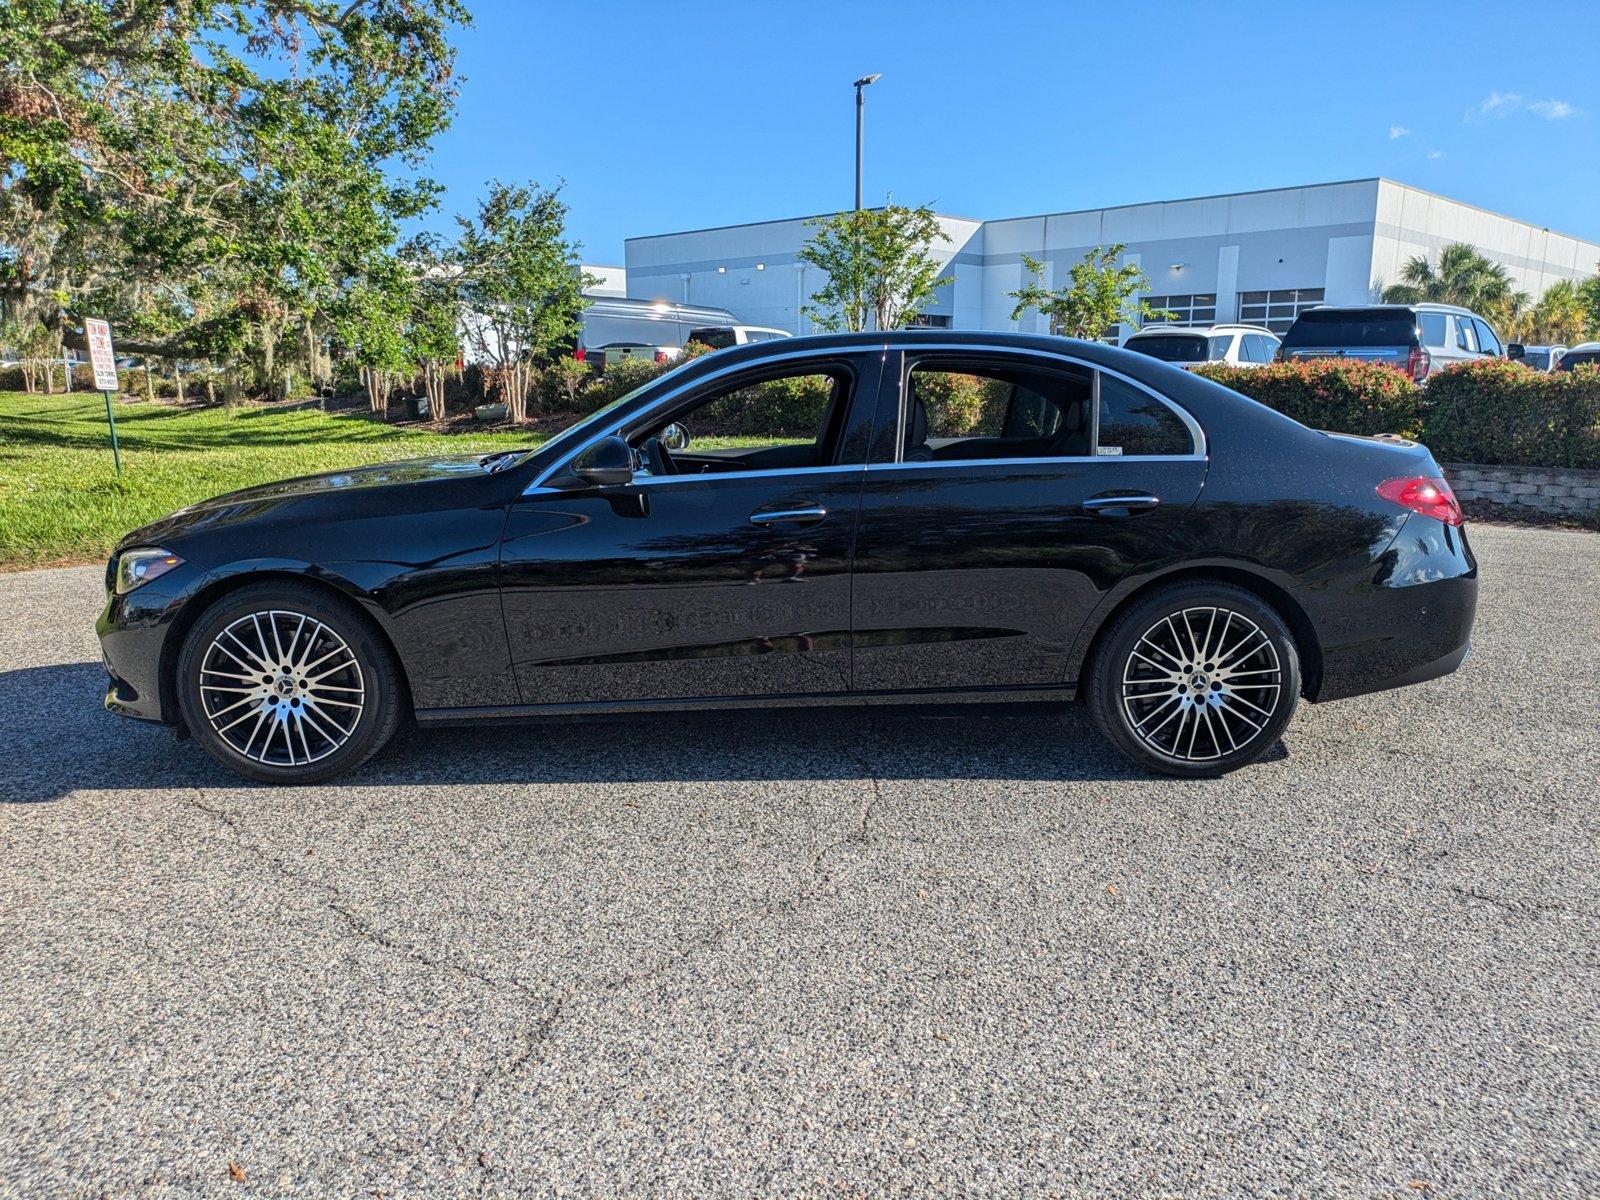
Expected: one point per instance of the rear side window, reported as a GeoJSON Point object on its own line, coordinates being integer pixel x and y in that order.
{"type": "Point", "coordinates": [1219, 347]}
{"type": "Point", "coordinates": [1432, 325]}
{"type": "Point", "coordinates": [1171, 347]}
{"type": "Point", "coordinates": [1571, 362]}
{"type": "Point", "coordinates": [1132, 421]}
{"type": "Point", "coordinates": [1352, 327]}
{"type": "Point", "coordinates": [970, 410]}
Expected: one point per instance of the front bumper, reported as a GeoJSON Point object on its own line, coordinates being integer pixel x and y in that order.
{"type": "Point", "coordinates": [136, 645]}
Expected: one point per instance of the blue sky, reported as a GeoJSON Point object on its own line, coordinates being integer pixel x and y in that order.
{"type": "Point", "coordinates": [664, 116]}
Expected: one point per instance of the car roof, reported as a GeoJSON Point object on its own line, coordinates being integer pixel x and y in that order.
{"type": "Point", "coordinates": [1586, 347]}
{"type": "Point", "coordinates": [1420, 306]}
{"type": "Point", "coordinates": [1202, 330]}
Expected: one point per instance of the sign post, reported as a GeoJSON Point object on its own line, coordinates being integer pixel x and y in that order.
{"type": "Point", "coordinates": [98, 335]}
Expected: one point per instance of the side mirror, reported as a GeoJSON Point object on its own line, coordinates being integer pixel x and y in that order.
{"type": "Point", "coordinates": [608, 463]}
{"type": "Point", "coordinates": [1516, 350]}
{"type": "Point", "coordinates": [675, 438]}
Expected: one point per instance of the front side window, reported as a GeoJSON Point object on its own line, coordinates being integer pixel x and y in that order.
{"type": "Point", "coordinates": [771, 421]}
{"type": "Point", "coordinates": [1466, 338]}
{"type": "Point", "coordinates": [1487, 342]}
{"type": "Point", "coordinates": [1132, 421]}
{"type": "Point", "coordinates": [962, 411]}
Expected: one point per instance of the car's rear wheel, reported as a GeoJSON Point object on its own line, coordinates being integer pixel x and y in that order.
{"type": "Point", "coordinates": [286, 684]}
{"type": "Point", "coordinates": [1195, 680]}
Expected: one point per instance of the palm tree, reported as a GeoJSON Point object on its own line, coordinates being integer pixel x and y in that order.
{"type": "Point", "coordinates": [1561, 316]}
{"type": "Point", "coordinates": [1463, 277]}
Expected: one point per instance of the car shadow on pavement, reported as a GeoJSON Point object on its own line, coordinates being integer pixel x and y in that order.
{"type": "Point", "coordinates": [66, 742]}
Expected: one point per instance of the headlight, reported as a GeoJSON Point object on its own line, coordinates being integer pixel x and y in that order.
{"type": "Point", "coordinates": [139, 566]}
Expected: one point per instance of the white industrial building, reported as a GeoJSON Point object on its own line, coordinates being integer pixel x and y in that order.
{"type": "Point", "coordinates": [1257, 257]}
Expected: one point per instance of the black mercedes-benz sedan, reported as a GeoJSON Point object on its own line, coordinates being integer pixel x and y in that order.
{"type": "Point", "coordinates": [851, 519]}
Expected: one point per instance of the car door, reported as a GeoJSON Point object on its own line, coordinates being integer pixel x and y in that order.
{"type": "Point", "coordinates": [1006, 495]}
{"type": "Point", "coordinates": [731, 579]}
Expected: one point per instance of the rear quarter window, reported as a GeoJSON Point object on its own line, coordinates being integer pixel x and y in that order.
{"type": "Point", "coordinates": [1173, 347]}
{"type": "Point", "coordinates": [1132, 421]}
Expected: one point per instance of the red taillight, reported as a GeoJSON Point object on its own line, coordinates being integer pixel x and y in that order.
{"type": "Point", "coordinates": [661, 356]}
{"type": "Point", "coordinates": [1418, 363]}
{"type": "Point", "coordinates": [580, 354]}
{"type": "Point", "coordinates": [1425, 494]}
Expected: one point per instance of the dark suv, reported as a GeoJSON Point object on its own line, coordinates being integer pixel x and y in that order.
{"type": "Point", "coordinates": [1414, 338]}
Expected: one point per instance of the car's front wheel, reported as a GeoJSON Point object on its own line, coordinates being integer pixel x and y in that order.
{"type": "Point", "coordinates": [285, 684]}
{"type": "Point", "coordinates": [1196, 679]}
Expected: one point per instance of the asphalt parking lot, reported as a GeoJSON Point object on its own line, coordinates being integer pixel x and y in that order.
{"type": "Point", "coordinates": [912, 952]}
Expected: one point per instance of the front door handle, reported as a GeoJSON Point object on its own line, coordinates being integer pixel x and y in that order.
{"type": "Point", "coordinates": [794, 516]}
{"type": "Point", "coordinates": [1121, 506]}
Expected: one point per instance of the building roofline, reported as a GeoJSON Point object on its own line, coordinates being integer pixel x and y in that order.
{"type": "Point", "coordinates": [645, 237]}
{"type": "Point", "coordinates": [1488, 212]}
{"type": "Point", "coordinates": [1294, 187]}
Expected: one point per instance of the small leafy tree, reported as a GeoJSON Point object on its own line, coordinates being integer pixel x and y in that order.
{"type": "Point", "coordinates": [372, 319]}
{"type": "Point", "coordinates": [1100, 295]}
{"type": "Point", "coordinates": [520, 284]}
{"type": "Point", "coordinates": [878, 266]}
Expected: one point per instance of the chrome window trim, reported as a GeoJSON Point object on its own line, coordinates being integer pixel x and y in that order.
{"type": "Point", "coordinates": [762, 473]}
{"type": "Point", "coordinates": [610, 428]}
{"type": "Point", "coordinates": [1077, 461]}
{"type": "Point", "coordinates": [1196, 434]}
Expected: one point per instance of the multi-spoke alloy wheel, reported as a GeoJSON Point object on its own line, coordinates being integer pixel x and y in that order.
{"type": "Point", "coordinates": [1195, 679]}
{"type": "Point", "coordinates": [282, 688]}
{"type": "Point", "coordinates": [1201, 683]}
{"type": "Point", "coordinates": [284, 683]}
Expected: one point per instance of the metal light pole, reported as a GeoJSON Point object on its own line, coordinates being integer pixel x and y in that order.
{"type": "Point", "coordinates": [861, 105]}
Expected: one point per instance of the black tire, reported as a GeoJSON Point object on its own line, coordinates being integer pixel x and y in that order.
{"type": "Point", "coordinates": [1181, 643]}
{"type": "Point", "coordinates": [226, 689]}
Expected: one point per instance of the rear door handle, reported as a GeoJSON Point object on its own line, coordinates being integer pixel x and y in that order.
{"type": "Point", "coordinates": [1113, 506]}
{"type": "Point", "coordinates": [796, 516]}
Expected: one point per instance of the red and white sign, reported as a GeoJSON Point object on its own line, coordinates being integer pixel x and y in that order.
{"type": "Point", "coordinates": [98, 335]}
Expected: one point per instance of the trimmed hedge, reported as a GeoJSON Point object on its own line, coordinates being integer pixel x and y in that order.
{"type": "Point", "coordinates": [1325, 393]}
{"type": "Point", "coordinates": [1501, 413]}
{"type": "Point", "coordinates": [1492, 411]}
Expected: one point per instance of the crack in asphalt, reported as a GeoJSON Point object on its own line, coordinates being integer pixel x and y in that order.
{"type": "Point", "coordinates": [537, 1038]}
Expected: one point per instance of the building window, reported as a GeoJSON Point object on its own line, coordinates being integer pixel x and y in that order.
{"type": "Point", "coordinates": [1183, 310]}
{"type": "Point", "coordinates": [1277, 310]}
{"type": "Point", "coordinates": [930, 321]}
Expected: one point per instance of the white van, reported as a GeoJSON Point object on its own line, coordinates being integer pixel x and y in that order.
{"type": "Point", "coordinates": [611, 329]}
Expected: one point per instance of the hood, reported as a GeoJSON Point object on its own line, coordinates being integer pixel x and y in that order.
{"type": "Point", "coordinates": [360, 484]}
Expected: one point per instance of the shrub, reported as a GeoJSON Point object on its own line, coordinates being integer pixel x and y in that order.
{"type": "Point", "coordinates": [962, 405]}
{"type": "Point", "coordinates": [561, 385]}
{"type": "Point", "coordinates": [1499, 412]}
{"type": "Point", "coordinates": [1326, 393]}
{"type": "Point", "coordinates": [618, 381]}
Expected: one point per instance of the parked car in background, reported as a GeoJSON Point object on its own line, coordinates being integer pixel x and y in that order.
{"type": "Point", "coordinates": [1540, 358]}
{"type": "Point", "coordinates": [720, 337]}
{"type": "Point", "coordinates": [1188, 346]}
{"type": "Point", "coordinates": [1415, 338]}
{"type": "Point", "coordinates": [1187, 561]}
{"type": "Point", "coordinates": [1583, 354]}
{"type": "Point", "coordinates": [611, 329]}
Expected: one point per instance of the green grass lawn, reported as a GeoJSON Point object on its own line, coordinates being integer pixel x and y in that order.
{"type": "Point", "coordinates": [61, 500]}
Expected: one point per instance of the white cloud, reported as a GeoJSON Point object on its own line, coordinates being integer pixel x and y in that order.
{"type": "Point", "coordinates": [1398, 131]}
{"type": "Point", "coordinates": [1435, 154]}
{"type": "Point", "coordinates": [1503, 104]}
{"type": "Point", "coordinates": [1555, 110]}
